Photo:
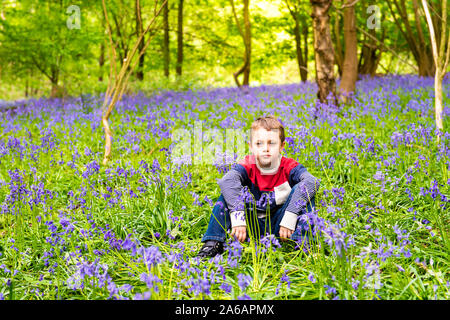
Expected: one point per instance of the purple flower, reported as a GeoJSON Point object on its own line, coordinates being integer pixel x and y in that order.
{"type": "Point", "coordinates": [234, 253]}
{"type": "Point", "coordinates": [312, 278]}
{"type": "Point", "coordinates": [151, 255]}
{"type": "Point", "coordinates": [208, 201]}
{"type": "Point", "coordinates": [379, 176]}
{"type": "Point", "coordinates": [244, 281]}
{"type": "Point", "coordinates": [270, 241]}
{"type": "Point", "coordinates": [226, 287]}
{"type": "Point", "coordinates": [91, 168]}
{"type": "Point", "coordinates": [330, 290]}
{"type": "Point", "coordinates": [143, 296]}
{"type": "Point", "coordinates": [151, 281]}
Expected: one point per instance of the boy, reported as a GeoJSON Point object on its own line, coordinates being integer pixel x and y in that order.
{"type": "Point", "coordinates": [273, 180]}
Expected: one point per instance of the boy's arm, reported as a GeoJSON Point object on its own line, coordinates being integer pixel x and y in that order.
{"type": "Point", "coordinates": [307, 186]}
{"type": "Point", "coordinates": [232, 185]}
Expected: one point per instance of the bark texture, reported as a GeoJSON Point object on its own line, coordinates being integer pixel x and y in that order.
{"type": "Point", "coordinates": [441, 55]}
{"type": "Point", "coordinates": [324, 52]}
{"type": "Point", "coordinates": [165, 46]}
{"type": "Point", "coordinates": [179, 65]}
{"type": "Point", "coordinates": [350, 64]}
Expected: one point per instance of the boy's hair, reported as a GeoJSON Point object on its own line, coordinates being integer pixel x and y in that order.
{"type": "Point", "coordinates": [268, 122]}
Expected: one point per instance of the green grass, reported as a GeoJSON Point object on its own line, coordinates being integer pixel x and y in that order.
{"type": "Point", "coordinates": [40, 261]}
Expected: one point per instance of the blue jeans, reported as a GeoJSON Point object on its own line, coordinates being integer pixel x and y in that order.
{"type": "Point", "coordinates": [220, 221]}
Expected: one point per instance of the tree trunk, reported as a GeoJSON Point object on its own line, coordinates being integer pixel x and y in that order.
{"type": "Point", "coordinates": [425, 65]}
{"type": "Point", "coordinates": [179, 66]}
{"type": "Point", "coordinates": [118, 80]}
{"type": "Point", "coordinates": [324, 52]}
{"type": "Point", "coordinates": [139, 31]}
{"type": "Point", "coordinates": [247, 40]}
{"type": "Point", "coordinates": [421, 51]}
{"type": "Point", "coordinates": [166, 53]}
{"type": "Point", "coordinates": [246, 36]}
{"type": "Point", "coordinates": [338, 50]}
{"type": "Point", "coordinates": [370, 56]}
{"type": "Point", "coordinates": [302, 53]}
{"type": "Point", "coordinates": [101, 61]}
{"type": "Point", "coordinates": [56, 90]}
{"type": "Point", "coordinates": [27, 83]}
{"type": "Point", "coordinates": [438, 104]}
{"type": "Point", "coordinates": [371, 49]}
{"type": "Point", "coordinates": [441, 59]}
{"type": "Point", "coordinates": [298, 46]}
{"type": "Point", "coordinates": [350, 65]}
{"type": "Point", "coordinates": [305, 52]}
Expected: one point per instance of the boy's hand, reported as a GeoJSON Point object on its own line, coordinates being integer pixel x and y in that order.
{"type": "Point", "coordinates": [285, 233]}
{"type": "Point", "coordinates": [239, 233]}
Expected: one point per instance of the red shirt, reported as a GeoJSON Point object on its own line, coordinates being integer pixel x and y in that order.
{"type": "Point", "coordinates": [267, 182]}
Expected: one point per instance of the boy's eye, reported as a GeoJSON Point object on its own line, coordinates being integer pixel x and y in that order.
{"type": "Point", "coordinates": [270, 142]}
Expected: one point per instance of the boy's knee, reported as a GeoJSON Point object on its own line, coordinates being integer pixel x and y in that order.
{"type": "Point", "coordinates": [311, 204]}
{"type": "Point", "coordinates": [220, 203]}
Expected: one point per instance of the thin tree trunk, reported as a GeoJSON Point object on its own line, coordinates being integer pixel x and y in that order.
{"type": "Point", "coordinates": [179, 66]}
{"type": "Point", "coordinates": [27, 84]}
{"type": "Point", "coordinates": [324, 52]}
{"type": "Point", "coordinates": [302, 53]}
{"type": "Point", "coordinates": [350, 65]}
{"type": "Point", "coordinates": [438, 77]}
{"type": "Point", "coordinates": [305, 52]}
{"type": "Point", "coordinates": [139, 31]}
{"type": "Point", "coordinates": [421, 52]}
{"type": "Point", "coordinates": [371, 49]}
{"type": "Point", "coordinates": [441, 59]}
{"type": "Point", "coordinates": [370, 56]}
{"type": "Point", "coordinates": [101, 61]}
{"type": "Point", "coordinates": [247, 40]}
{"type": "Point", "coordinates": [55, 92]}
{"type": "Point", "coordinates": [298, 46]}
{"type": "Point", "coordinates": [118, 81]}
{"type": "Point", "coordinates": [246, 36]}
{"type": "Point", "coordinates": [166, 53]}
{"type": "Point", "coordinates": [338, 50]}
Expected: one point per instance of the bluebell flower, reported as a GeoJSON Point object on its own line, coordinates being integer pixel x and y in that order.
{"type": "Point", "coordinates": [330, 290]}
{"type": "Point", "coordinates": [226, 287]}
{"type": "Point", "coordinates": [311, 277]}
{"type": "Point", "coordinates": [143, 296]}
{"type": "Point", "coordinates": [244, 281]}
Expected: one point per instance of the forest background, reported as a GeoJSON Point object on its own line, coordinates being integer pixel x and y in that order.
{"type": "Point", "coordinates": [60, 48]}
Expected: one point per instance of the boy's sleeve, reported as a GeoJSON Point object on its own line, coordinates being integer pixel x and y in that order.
{"type": "Point", "coordinates": [307, 186]}
{"type": "Point", "coordinates": [232, 185]}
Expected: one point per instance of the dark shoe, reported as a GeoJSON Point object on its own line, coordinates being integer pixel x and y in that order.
{"type": "Point", "coordinates": [210, 249]}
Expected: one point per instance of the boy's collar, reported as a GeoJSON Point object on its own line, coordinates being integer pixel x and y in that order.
{"type": "Point", "coordinates": [271, 170]}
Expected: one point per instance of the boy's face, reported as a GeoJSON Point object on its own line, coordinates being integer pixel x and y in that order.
{"type": "Point", "coordinates": [266, 146]}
